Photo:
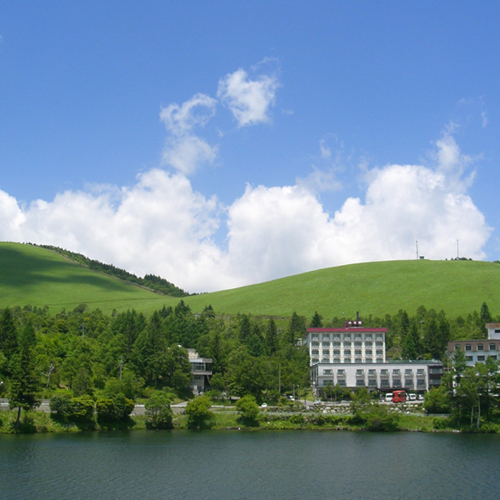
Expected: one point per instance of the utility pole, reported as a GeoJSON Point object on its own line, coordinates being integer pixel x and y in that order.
{"type": "Point", "coordinates": [458, 248]}
{"type": "Point", "coordinates": [417, 248]}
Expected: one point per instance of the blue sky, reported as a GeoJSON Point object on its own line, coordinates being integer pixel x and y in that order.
{"type": "Point", "coordinates": [219, 144]}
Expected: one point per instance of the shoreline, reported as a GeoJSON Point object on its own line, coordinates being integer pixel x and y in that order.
{"type": "Point", "coordinates": [41, 423]}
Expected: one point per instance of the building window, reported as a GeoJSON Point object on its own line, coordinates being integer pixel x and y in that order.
{"type": "Point", "coordinates": [326, 353]}
{"type": "Point", "coordinates": [458, 347]}
{"type": "Point", "coordinates": [480, 347]}
{"type": "Point", "coordinates": [469, 359]}
{"type": "Point", "coordinates": [357, 345]}
{"type": "Point", "coordinates": [494, 356]}
{"type": "Point", "coordinates": [408, 371]}
{"type": "Point", "coordinates": [480, 358]}
{"type": "Point", "coordinates": [384, 371]}
{"type": "Point", "coordinates": [468, 347]}
{"type": "Point", "coordinates": [372, 383]}
{"type": "Point", "coordinates": [435, 370]}
{"type": "Point", "coordinates": [368, 336]}
{"type": "Point", "coordinates": [396, 382]}
{"type": "Point", "coordinates": [341, 372]}
{"type": "Point", "coordinates": [360, 382]}
{"type": "Point", "coordinates": [327, 372]}
{"type": "Point", "coordinates": [420, 371]}
{"type": "Point", "coordinates": [493, 347]}
{"type": "Point", "coordinates": [384, 383]}
{"type": "Point", "coordinates": [341, 383]}
{"type": "Point", "coordinates": [420, 383]}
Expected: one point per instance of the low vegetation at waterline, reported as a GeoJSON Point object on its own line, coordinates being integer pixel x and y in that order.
{"type": "Point", "coordinates": [377, 418]}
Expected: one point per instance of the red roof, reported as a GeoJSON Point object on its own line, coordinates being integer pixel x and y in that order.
{"type": "Point", "coordinates": [352, 329]}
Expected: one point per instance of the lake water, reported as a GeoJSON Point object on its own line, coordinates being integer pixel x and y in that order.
{"type": "Point", "coordinates": [249, 465]}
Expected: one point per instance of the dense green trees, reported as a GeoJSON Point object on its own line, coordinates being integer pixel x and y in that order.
{"type": "Point", "coordinates": [24, 382]}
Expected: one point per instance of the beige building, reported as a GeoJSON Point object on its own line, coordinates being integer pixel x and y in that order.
{"type": "Point", "coordinates": [201, 368]}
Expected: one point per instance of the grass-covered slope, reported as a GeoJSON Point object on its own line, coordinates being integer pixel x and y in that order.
{"type": "Point", "coordinates": [40, 277]}
{"type": "Point", "coordinates": [457, 287]}
{"type": "Point", "coordinates": [32, 275]}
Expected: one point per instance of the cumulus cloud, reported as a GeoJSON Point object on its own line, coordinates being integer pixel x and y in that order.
{"type": "Point", "coordinates": [185, 151]}
{"type": "Point", "coordinates": [162, 226]}
{"type": "Point", "coordinates": [248, 100]}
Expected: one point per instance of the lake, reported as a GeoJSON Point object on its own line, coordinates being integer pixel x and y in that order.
{"type": "Point", "coordinates": [249, 465]}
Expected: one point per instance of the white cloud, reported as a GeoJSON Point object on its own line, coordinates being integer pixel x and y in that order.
{"type": "Point", "coordinates": [196, 112]}
{"type": "Point", "coordinates": [185, 151]}
{"type": "Point", "coordinates": [162, 226]}
{"type": "Point", "coordinates": [248, 100]}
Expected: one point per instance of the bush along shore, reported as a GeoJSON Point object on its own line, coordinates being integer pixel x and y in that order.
{"type": "Point", "coordinates": [74, 415]}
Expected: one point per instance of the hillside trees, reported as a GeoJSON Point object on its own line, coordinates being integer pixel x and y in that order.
{"type": "Point", "coordinates": [24, 382]}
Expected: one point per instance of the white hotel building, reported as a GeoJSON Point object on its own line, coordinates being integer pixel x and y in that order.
{"type": "Point", "coordinates": [354, 357]}
{"type": "Point", "coordinates": [351, 344]}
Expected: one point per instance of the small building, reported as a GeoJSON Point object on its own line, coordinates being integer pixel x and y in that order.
{"type": "Point", "coordinates": [201, 368]}
{"type": "Point", "coordinates": [418, 375]}
{"type": "Point", "coordinates": [351, 344]}
{"type": "Point", "coordinates": [477, 351]}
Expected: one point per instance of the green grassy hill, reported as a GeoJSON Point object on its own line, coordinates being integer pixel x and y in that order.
{"type": "Point", "coordinates": [31, 275]}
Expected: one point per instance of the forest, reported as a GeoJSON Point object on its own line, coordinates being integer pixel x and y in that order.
{"type": "Point", "coordinates": [84, 352]}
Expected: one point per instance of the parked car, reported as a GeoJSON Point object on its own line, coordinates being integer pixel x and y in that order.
{"type": "Point", "coordinates": [263, 405]}
{"type": "Point", "coordinates": [412, 397]}
{"type": "Point", "coordinates": [420, 397]}
{"type": "Point", "coordinates": [388, 397]}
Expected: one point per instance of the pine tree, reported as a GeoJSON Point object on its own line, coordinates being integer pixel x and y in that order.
{"type": "Point", "coordinates": [272, 337]}
{"type": "Point", "coordinates": [317, 321]}
{"type": "Point", "coordinates": [8, 335]}
{"type": "Point", "coordinates": [24, 382]}
{"type": "Point", "coordinates": [411, 344]}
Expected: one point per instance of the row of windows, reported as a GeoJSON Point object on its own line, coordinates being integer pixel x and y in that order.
{"type": "Point", "coordinates": [346, 336]}
{"type": "Point", "coordinates": [327, 345]}
{"type": "Point", "coordinates": [480, 358]}
{"type": "Point", "coordinates": [479, 347]}
{"type": "Point", "coordinates": [409, 384]}
{"type": "Point", "coordinates": [384, 372]}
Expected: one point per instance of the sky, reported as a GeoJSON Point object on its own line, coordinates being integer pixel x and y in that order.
{"type": "Point", "coordinates": [220, 144]}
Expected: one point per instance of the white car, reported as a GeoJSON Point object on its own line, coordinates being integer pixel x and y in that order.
{"type": "Point", "coordinates": [263, 405]}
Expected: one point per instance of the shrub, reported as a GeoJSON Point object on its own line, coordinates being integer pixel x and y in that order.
{"type": "Point", "coordinates": [198, 412]}
{"type": "Point", "coordinates": [82, 409]}
{"type": "Point", "coordinates": [158, 411]}
{"type": "Point", "coordinates": [60, 405]}
{"type": "Point", "coordinates": [115, 409]}
{"type": "Point", "coordinates": [297, 419]}
{"type": "Point", "coordinates": [379, 418]}
{"type": "Point", "coordinates": [248, 409]}
{"type": "Point", "coordinates": [437, 400]}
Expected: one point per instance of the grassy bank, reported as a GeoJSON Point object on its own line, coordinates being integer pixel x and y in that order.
{"type": "Point", "coordinates": [40, 422]}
